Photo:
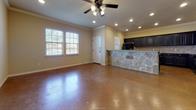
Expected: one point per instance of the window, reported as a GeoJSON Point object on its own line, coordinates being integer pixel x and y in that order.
{"type": "Point", "coordinates": [54, 42]}
{"type": "Point", "coordinates": [72, 43]}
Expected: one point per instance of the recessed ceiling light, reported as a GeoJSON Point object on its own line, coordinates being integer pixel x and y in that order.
{"type": "Point", "coordinates": [116, 24]}
{"type": "Point", "coordinates": [42, 1]}
{"type": "Point", "coordinates": [184, 4]}
{"type": "Point", "coordinates": [140, 27]}
{"type": "Point", "coordinates": [126, 30]}
{"type": "Point", "coordinates": [151, 14]}
{"type": "Point", "coordinates": [131, 20]}
{"type": "Point", "coordinates": [178, 19]}
{"type": "Point", "coordinates": [94, 22]}
{"type": "Point", "coordinates": [156, 24]}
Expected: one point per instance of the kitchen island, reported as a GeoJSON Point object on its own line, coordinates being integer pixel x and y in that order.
{"type": "Point", "coordinates": [143, 61]}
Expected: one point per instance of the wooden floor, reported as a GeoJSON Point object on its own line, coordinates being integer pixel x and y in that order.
{"type": "Point", "coordinates": [94, 87]}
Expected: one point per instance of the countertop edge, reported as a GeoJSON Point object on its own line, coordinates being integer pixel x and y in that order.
{"type": "Point", "coordinates": [135, 51]}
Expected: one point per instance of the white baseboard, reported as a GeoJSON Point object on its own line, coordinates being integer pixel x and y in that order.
{"type": "Point", "coordinates": [48, 69]}
{"type": "Point", "coordinates": [1, 83]}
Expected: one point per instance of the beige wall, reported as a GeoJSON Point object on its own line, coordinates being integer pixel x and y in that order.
{"type": "Point", "coordinates": [109, 38]}
{"type": "Point", "coordinates": [120, 35]}
{"type": "Point", "coordinates": [110, 34]}
{"type": "Point", "coordinates": [27, 44]}
{"type": "Point", "coordinates": [191, 26]}
{"type": "Point", "coordinates": [3, 42]}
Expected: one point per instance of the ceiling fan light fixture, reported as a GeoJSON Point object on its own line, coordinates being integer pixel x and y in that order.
{"type": "Point", "coordinates": [102, 8]}
{"type": "Point", "coordinates": [94, 22]}
{"type": "Point", "coordinates": [131, 20]}
{"type": "Point", "coordinates": [93, 8]}
{"type": "Point", "coordinates": [94, 13]}
{"type": "Point", "coordinates": [184, 4]}
{"type": "Point", "coordinates": [156, 24]}
{"type": "Point", "coordinates": [152, 14]}
{"type": "Point", "coordinates": [179, 19]}
{"type": "Point", "coordinates": [139, 27]}
{"type": "Point", "coordinates": [102, 13]}
{"type": "Point", "coordinates": [42, 1]}
{"type": "Point", "coordinates": [98, 7]}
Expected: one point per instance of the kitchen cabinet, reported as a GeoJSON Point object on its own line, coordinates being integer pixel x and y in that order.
{"type": "Point", "coordinates": [181, 60]}
{"type": "Point", "coordinates": [192, 62]}
{"type": "Point", "coordinates": [174, 59]}
{"type": "Point", "coordinates": [176, 39]}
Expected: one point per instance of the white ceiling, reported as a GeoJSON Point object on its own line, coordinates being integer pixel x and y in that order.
{"type": "Point", "coordinates": [166, 12]}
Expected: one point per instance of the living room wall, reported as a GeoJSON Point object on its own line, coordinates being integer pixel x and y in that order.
{"type": "Point", "coordinates": [27, 43]}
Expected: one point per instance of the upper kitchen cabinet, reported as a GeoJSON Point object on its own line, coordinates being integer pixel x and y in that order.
{"type": "Point", "coordinates": [176, 39]}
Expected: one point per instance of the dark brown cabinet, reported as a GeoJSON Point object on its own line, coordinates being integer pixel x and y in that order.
{"type": "Point", "coordinates": [177, 39]}
{"type": "Point", "coordinates": [182, 60]}
{"type": "Point", "coordinates": [174, 59]}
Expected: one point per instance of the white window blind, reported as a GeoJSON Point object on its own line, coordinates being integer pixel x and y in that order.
{"type": "Point", "coordinates": [72, 43]}
{"type": "Point", "coordinates": [54, 42]}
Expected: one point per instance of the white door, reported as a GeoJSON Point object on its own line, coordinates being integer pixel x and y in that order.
{"type": "Point", "coordinates": [97, 49]}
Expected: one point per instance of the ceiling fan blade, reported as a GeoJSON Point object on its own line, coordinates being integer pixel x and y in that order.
{"type": "Point", "coordinates": [111, 5]}
{"type": "Point", "coordinates": [87, 11]}
{"type": "Point", "coordinates": [89, 1]}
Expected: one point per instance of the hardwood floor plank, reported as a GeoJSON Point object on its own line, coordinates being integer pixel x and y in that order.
{"type": "Point", "coordinates": [95, 87]}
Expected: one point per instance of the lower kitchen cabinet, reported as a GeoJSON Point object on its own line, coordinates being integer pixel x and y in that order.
{"type": "Point", "coordinates": [181, 60]}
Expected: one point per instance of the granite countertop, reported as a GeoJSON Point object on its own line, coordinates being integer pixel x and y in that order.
{"type": "Point", "coordinates": [135, 51]}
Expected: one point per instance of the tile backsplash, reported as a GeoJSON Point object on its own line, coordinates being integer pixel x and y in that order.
{"type": "Point", "coordinates": [170, 49]}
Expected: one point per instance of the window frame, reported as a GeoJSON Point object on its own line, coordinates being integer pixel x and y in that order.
{"type": "Point", "coordinates": [78, 44]}
{"type": "Point", "coordinates": [63, 48]}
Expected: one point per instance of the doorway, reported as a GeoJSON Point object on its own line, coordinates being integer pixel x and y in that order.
{"type": "Point", "coordinates": [97, 49]}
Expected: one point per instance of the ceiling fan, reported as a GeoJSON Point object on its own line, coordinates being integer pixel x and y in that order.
{"type": "Point", "coordinates": [98, 7]}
